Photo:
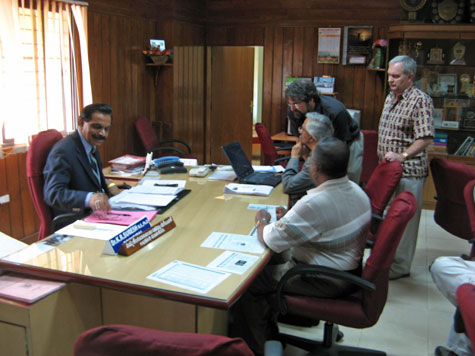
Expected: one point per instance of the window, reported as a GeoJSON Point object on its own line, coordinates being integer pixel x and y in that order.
{"type": "Point", "coordinates": [44, 69]}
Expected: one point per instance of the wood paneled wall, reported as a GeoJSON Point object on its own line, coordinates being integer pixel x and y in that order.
{"type": "Point", "coordinates": [289, 34]}
{"type": "Point", "coordinates": [119, 29]}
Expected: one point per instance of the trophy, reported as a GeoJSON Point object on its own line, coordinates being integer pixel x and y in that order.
{"type": "Point", "coordinates": [436, 56]}
{"type": "Point", "coordinates": [458, 51]}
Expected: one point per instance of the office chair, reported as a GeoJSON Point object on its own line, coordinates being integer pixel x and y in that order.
{"type": "Point", "coordinates": [36, 157]}
{"type": "Point", "coordinates": [151, 142]}
{"type": "Point", "coordinates": [360, 309]}
{"type": "Point", "coordinates": [370, 155]}
{"type": "Point", "coordinates": [450, 179]}
{"type": "Point", "coordinates": [380, 188]}
{"type": "Point", "coordinates": [466, 311]}
{"type": "Point", "coordinates": [269, 149]}
{"type": "Point", "coordinates": [469, 197]}
{"type": "Point", "coordinates": [127, 340]}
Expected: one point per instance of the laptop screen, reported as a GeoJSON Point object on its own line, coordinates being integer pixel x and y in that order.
{"type": "Point", "coordinates": [238, 159]}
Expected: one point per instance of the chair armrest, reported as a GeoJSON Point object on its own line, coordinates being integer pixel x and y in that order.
{"type": "Point", "coordinates": [59, 218]}
{"type": "Point", "coordinates": [168, 148]}
{"type": "Point", "coordinates": [174, 140]}
{"type": "Point", "coordinates": [286, 158]}
{"type": "Point", "coordinates": [283, 148]}
{"type": "Point", "coordinates": [317, 269]}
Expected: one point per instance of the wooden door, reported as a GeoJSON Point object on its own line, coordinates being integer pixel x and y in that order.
{"type": "Point", "coordinates": [230, 91]}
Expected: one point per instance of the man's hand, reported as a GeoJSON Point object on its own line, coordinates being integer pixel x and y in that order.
{"type": "Point", "coordinates": [391, 157]}
{"type": "Point", "coordinates": [263, 216]}
{"type": "Point", "coordinates": [296, 151]}
{"type": "Point", "coordinates": [280, 211]}
{"type": "Point", "coordinates": [99, 202]}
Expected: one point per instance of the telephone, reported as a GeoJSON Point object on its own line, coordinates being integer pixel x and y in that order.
{"type": "Point", "coordinates": [165, 160]}
{"type": "Point", "coordinates": [169, 164]}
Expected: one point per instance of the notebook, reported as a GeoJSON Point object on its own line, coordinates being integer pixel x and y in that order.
{"type": "Point", "coordinates": [243, 168]}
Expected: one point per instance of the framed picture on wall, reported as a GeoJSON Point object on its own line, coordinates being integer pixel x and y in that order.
{"type": "Point", "coordinates": [357, 42]}
{"type": "Point", "coordinates": [160, 44]}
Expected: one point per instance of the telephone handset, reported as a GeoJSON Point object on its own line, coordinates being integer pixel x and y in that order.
{"type": "Point", "coordinates": [169, 164]}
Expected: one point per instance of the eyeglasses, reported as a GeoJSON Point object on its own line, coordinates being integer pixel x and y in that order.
{"type": "Point", "coordinates": [299, 104]}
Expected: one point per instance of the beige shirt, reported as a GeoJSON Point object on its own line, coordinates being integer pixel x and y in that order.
{"type": "Point", "coordinates": [328, 226]}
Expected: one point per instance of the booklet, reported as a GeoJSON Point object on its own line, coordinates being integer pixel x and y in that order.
{"type": "Point", "coordinates": [26, 290]}
{"type": "Point", "coordinates": [249, 189]}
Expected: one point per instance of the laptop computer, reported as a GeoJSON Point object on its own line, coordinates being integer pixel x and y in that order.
{"type": "Point", "coordinates": [243, 168]}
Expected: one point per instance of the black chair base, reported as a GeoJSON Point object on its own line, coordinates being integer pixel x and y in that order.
{"type": "Point", "coordinates": [329, 346]}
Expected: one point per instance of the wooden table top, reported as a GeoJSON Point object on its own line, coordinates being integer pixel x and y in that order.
{"type": "Point", "coordinates": [203, 211]}
{"type": "Point", "coordinates": [282, 136]}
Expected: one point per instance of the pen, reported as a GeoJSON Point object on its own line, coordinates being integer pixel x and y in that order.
{"type": "Point", "coordinates": [117, 214]}
{"type": "Point", "coordinates": [165, 185]}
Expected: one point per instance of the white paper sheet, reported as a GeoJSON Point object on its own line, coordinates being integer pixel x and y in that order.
{"type": "Point", "coordinates": [143, 199]}
{"type": "Point", "coordinates": [189, 276]}
{"type": "Point", "coordinates": [248, 189]}
{"type": "Point", "coordinates": [234, 242]}
{"type": "Point", "coordinates": [91, 230]}
{"type": "Point", "coordinates": [233, 262]}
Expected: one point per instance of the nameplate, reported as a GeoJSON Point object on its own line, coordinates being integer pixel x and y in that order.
{"type": "Point", "coordinates": [113, 245]}
{"type": "Point", "coordinates": [137, 242]}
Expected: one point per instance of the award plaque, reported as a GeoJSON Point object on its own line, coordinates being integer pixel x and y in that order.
{"type": "Point", "coordinates": [458, 51]}
{"type": "Point", "coordinates": [436, 56]}
{"type": "Point", "coordinates": [464, 83]}
{"type": "Point", "coordinates": [447, 11]}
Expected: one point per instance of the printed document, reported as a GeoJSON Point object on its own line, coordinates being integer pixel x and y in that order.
{"type": "Point", "coordinates": [189, 276]}
{"type": "Point", "coordinates": [234, 242]}
{"type": "Point", "coordinates": [248, 189]}
{"type": "Point", "coordinates": [233, 262]}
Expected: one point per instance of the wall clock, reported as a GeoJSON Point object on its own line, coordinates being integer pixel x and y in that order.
{"type": "Point", "coordinates": [412, 6]}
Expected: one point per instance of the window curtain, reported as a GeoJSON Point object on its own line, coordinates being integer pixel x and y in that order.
{"type": "Point", "coordinates": [44, 67]}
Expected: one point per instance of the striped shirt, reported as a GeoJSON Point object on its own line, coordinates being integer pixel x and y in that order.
{"type": "Point", "coordinates": [328, 226]}
{"type": "Point", "coordinates": [401, 123]}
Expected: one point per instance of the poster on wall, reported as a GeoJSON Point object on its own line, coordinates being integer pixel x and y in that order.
{"type": "Point", "coordinates": [329, 45]}
{"type": "Point", "coordinates": [357, 42]}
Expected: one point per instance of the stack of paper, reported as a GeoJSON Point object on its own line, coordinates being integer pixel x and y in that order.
{"type": "Point", "coordinates": [160, 186]}
{"type": "Point", "coordinates": [27, 290]}
{"type": "Point", "coordinates": [127, 162]}
{"type": "Point", "coordinates": [250, 189]}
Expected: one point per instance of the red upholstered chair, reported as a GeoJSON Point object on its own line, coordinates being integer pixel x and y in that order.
{"type": "Point", "coordinates": [469, 197]}
{"type": "Point", "coordinates": [380, 188]}
{"type": "Point", "coordinates": [269, 149]}
{"type": "Point", "coordinates": [370, 155]}
{"type": "Point", "coordinates": [466, 306]}
{"type": "Point", "coordinates": [126, 340]}
{"type": "Point", "coordinates": [36, 157]}
{"type": "Point", "coordinates": [362, 308]}
{"type": "Point", "coordinates": [450, 179]}
{"type": "Point", "coordinates": [151, 142]}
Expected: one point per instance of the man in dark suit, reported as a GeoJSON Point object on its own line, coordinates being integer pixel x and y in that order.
{"type": "Point", "coordinates": [73, 171]}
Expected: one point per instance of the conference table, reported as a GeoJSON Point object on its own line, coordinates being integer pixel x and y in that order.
{"type": "Point", "coordinates": [283, 136]}
{"type": "Point", "coordinates": [126, 294]}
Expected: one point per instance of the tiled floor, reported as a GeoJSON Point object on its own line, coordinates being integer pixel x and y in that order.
{"type": "Point", "coordinates": [416, 317]}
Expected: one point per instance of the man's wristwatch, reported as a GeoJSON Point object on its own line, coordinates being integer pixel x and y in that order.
{"type": "Point", "coordinates": [404, 155]}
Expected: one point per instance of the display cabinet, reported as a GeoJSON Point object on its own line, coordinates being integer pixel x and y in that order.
{"type": "Point", "coordinates": [445, 56]}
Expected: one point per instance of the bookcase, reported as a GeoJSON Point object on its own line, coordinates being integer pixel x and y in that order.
{"type": "Point", "coordinates": [445, 57]}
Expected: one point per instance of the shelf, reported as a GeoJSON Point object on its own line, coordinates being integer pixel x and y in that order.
{"type": "Point", "coordinates": [377, 69]}
{"type": "Point", "coordinates": [156, 69]}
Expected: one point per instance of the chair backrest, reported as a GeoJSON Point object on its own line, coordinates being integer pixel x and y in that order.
{"type": "Point", "coordinates": [382, 184]}
{"type": "Point", "coordinates": [370, 154]}
{"type": "Point", "coordinates": [465, 298]}
{"type": "Point", "coordinates": [36, 157]}
{"type": "Point", "coordinates": [146, 133]}
{"type": "Point", "coordinates": [450, 213]}
{"type": "Point", "coordinates": [376, 269]}
{"type": "Point", "coordinates": [469, 197]}
{"type": "Point", "coordinates": [126, 340]}
{"type": "Point", "coordinates": [267, 145]}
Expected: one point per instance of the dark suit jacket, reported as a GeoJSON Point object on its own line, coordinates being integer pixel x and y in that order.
{"type": "Point", "coordinates": [69, 177]}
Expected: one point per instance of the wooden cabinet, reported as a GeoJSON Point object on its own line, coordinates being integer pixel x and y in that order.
{"type": "Point", "coordinates": [445, 57]}
{"type": "Point", "coordinates": [51, 325]}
